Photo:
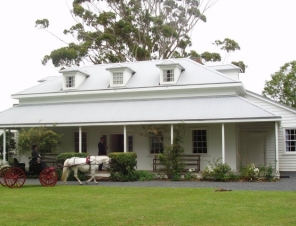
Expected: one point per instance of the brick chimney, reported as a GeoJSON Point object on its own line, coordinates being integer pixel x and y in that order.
{"type": "Point", "coordinates": [197, 59]}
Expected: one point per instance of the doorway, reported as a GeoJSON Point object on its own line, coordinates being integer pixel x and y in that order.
{"type": "Point", "coordinates": [256, 148]}
{"type": "Point", "coordinates": [116, 143]}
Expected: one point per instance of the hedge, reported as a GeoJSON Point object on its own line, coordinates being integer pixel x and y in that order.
{"type": "Point", "coordinates": [122, 167]}
{"type": "Point", "coordinates": [63, 156]}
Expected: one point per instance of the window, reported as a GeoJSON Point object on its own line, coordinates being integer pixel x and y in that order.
{"type": "Point", "coordinates": [168, 75]}
{"type": "Point", "coordinates": [291, 140]}
{"type": "Point", "coordinates": [70, 81]}
{"type": "Point", "coordinates": [130, 144]}
{"type": "Point", "coordinates": [84, 141]}
{"type": "Point", "coordinates": [156, 144]}
{"type": "Point", "coordinates": [199, 141]}
{"type": "Point", "coordinates": [117, 78]}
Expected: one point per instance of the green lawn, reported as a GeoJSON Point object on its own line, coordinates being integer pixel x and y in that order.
{"type": "Point", "coordinates": [95, 205]}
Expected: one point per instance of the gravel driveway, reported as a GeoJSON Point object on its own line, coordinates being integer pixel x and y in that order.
{"type": "Point", "coordinates": [284, 184]}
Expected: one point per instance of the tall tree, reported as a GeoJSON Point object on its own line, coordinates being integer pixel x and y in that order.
{"type": "Point", "coordinates": [128, 30]}
{"type": "Point", "coordinates": [282, 86]}
{"type": "Point", "coordinates": [228, 45]}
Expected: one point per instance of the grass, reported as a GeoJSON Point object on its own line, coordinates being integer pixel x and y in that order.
{"type": "Point", "coordinates": [95, 205]}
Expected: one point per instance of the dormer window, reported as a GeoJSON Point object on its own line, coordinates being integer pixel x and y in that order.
{"type": "Point", "coordinates": [73, 78]}
{"type": "Point", "coordinates": [169, 72]}
{"type": "Point", "coordinates": [119, 75]}
{"type": "Point", "coordinates": [117, 78]}
{"type": "Point", "coordinates": [70, 81]}
{"type": "Point", "coordinates": [168, 75]}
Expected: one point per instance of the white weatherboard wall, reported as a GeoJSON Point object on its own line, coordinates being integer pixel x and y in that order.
{"type": "Point", "coordinates": [266, 128]}
{"type": "Point", "coordinates": [141, 142]}
{"type": "Point", "coordinates": [286, 160]}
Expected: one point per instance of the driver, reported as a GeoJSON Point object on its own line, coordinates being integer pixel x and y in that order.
{"type": "Point", "coordinates": [36, 157]}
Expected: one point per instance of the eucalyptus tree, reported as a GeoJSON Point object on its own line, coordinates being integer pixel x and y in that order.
{"type": "Point", "coordinates": [109, 31]}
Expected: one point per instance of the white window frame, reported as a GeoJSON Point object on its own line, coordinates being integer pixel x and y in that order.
{"type": "Point", "coordinates": [130, 143]}
{"type": "Point", "coordinates": [152, 149]}
{"type": "Point", "coordinates": [83, 143]}
{"type": "Point", "coordinates": [117, 78]}
{"type": "Point", "coordinates": [192, 140]}
{"type": "Point", "coordinates": [70, 81]}
{"type": "Point", "coordinates": [286, 141]}
{"type": "Point", "coordinates": [168, 75]}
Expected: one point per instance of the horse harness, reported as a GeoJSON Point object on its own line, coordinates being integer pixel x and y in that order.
{"type": "Point", "coordinates": [88, 161]}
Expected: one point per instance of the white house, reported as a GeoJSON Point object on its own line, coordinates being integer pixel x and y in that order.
{"type": "Point", "coordinates": [221, 118]}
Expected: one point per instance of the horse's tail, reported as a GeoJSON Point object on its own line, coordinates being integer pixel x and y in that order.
{"type": "Point", "coordinates": [65, 171]}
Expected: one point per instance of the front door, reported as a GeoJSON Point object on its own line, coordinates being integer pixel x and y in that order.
{"type": "Point", "coordinates": [116, 143]}
{"type": "Point", "coordinates": [256, 149]}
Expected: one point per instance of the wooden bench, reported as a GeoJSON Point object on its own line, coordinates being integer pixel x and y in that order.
{"type": "Point", "coordinates": [50, 159]}
{"type": "Point", "coordinates": [191, 162]}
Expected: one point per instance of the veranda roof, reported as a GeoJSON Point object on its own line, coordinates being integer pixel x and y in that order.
{"type": "Point", "coordinates": [127, 112]}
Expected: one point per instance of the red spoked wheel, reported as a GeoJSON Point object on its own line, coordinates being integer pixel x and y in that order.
{"type": "Point", "coordinates": [48, 177]}
{"type": "Point", "coordinates": [2, 173]}
{"type": "Point", "coordinates": [14, 177]}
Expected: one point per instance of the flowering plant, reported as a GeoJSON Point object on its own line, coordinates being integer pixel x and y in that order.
{"type": "Point", "coordinates": [250, 172]}
{"type": "Point", "coordinates": [216, 170]}
{"type": "Point", "coordinates": [191, 170]}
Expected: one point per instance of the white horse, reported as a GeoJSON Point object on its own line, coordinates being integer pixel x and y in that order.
{"type": "Point", "coordinates": [80, 164]}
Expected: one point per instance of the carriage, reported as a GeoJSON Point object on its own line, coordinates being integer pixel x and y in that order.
{"type": "Point", "coordinates": [15, 176]}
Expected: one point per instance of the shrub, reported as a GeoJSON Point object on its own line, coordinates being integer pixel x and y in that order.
{"type": "Point", "coordinates": [190, 176]}
{"type": "Point", "coordinates": [249, 172]}
{"type": "Point", "coordinates": [269, 173]}
{"type": "Point", "coordinates": [266, 173]}
{"type": "Point", "coordinates": [232, 177]}
{"type": "Point", "coordinates": [144, 175]}
{"type": "Point", "coordinates": [217, 171]}
{"type": "Point", "coordinates": [171, 156]}
{"type": "Point", "coordinates": [122, 167]}
{"type": "Point", "coordinates": [63, 156]}
{"type": "Point", "coordinates": [176, 177]}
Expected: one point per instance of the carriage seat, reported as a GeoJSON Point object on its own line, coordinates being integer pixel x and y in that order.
{"type": "Point", "coordinates": [18, 164]}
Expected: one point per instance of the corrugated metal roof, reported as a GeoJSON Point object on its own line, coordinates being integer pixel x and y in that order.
{"type": "Point", "coordinates": [225, 67]}
{"type": "Point", "coordinates": [131, 111]}
{"type": "Point", "coordinates": [146, 75]}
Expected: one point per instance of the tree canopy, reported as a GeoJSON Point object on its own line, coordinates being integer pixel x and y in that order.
{"type": "Point", "coordinates": [109, 31]}
{"type": "Point", "coordinates": [46, 139]}
{"type": "Point", "coordinates": [282, 86]}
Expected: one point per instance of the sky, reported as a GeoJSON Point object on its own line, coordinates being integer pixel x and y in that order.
{"type": "Point", "coordinates": [264, 30]}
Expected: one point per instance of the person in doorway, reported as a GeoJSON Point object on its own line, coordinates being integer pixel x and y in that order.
{"type": "Point", "coordinates": [102, 150]}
